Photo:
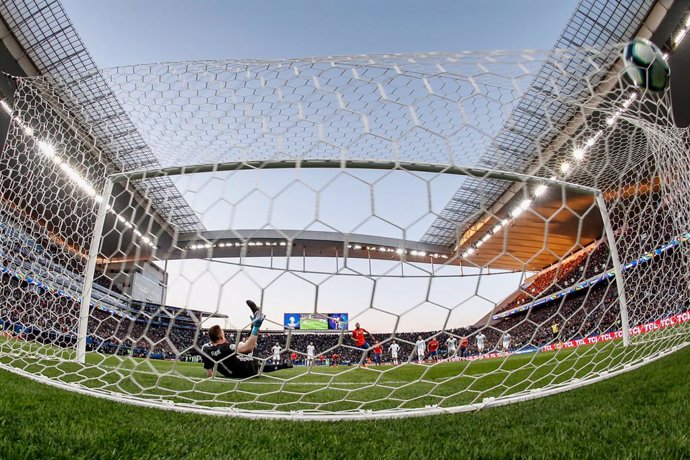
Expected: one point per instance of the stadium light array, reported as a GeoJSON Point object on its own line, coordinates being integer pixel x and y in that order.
{"type": "Point", "coordinates": [229, 244]}
{"type": "Point", "coordinates": [516, 212]}
{"type": "Point", "coordinates": [358, 247]}
{"type": "Point", "coordinates": [679, 35]}
{"type": "Point", "coordinates": [49, 150]}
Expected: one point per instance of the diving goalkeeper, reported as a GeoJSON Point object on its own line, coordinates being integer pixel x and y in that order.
{"type": "Point", "coordinates": [235, 361]}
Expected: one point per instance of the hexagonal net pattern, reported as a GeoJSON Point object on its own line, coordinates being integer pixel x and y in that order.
{"type": "Point", "coordinates": [423, 233]}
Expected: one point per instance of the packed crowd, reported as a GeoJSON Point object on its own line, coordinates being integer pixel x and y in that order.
{"type": "Point", "coordinates": [36, 314]}
{"type": "Point", "coordinates": [40, 253]}
{"type": "Point", "coordinates": [580, 267]}
{"type": "Point", "coordinates": [38, 257]}
{"type": "Point", "coordinates": [139, 337]}
{"type": "Point", "coordinates": [588, 312]}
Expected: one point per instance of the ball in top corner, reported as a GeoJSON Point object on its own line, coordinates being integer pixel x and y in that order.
{"type": "Point", "coordinates": [646, 66]}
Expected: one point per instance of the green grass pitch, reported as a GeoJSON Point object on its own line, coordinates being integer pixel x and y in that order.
{"type": "Point", "coordinates": [642, 414]}
{"type": "Point", "coordinates": [324, 388]}
{"type": "Point", "coordinates": [407, 386]}
{"type": "Point", "coordinates": [311, 324]}
{"type": "Point", "coordinates": [333, 389]}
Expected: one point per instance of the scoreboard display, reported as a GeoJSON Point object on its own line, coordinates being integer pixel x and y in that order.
{"type": "Point", "coordinates": [316, 321]}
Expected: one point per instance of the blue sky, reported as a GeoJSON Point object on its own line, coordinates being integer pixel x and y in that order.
{"type": "Point", "coordinates": [126, 32]}
{"type": "Point", "coordinates": [119, 32]}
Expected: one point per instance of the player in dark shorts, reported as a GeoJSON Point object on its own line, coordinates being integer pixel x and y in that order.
{"type": "Point", "coordinates": [234, 361]}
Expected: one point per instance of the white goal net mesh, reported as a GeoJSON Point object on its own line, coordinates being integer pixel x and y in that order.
{"type": "Point", "coordinates": [502, 225]}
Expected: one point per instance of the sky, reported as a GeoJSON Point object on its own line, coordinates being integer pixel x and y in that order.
{"type": "Point", "coordinates": [124, 32]}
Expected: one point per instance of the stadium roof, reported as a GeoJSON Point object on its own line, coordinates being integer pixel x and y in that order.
{"type": "Point", "coordinates": [46, 43]}
{"type": "Point", "coordinates": [662, 22]}
{"type": "Point", "coordinates": [595, 23]}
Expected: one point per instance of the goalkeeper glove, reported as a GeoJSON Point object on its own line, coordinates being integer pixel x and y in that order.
{"type": "Point", "coordinates": [256, 319]}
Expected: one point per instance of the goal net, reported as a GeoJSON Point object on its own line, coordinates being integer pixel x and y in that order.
{"type": "Point", "coordinates": [424, 233]}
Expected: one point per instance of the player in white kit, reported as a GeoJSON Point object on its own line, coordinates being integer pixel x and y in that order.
{"type": "Point", "coordinates": [310, 354]}
{"type": "Point", "coordinates": [394, 349]}
{"type": "Point", "coordinates": [276, 353]}
{"type": "Point", "coordinates": [421, 346]}
{"type": "Point", "coordinates": [506, 341]}
{"type": "Point", "coordinates": [480, 342]}
{"type": "Point", "coordinates": [451, 346]}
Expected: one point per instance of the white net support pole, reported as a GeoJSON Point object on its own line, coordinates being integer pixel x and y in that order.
{"type": "Point", "coordinates": [617, 269]}
{"type": "Point", "coordinates": [82, 331]}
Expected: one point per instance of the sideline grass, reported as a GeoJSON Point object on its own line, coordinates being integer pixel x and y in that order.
{"type": "Point", "coordinates": [642, 414]}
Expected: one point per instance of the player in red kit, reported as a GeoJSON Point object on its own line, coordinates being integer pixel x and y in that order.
{"type": "Point", "coordinates": [463, 347]}
{"type": "Point", "coordinates": [433, 349]}
{"type": "Point", "coordinates": [378, 351]}
{"type": "Point", "coordinates": [358, 335]}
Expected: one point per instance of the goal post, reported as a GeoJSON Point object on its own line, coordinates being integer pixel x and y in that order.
{"type": "Point", "coordinates": [617, 268]}
{"type": "Point", "coordinates": [94, 249]}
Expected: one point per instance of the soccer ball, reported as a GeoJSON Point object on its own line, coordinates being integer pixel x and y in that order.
{"type": "Point", "coordinates": [645, 65]}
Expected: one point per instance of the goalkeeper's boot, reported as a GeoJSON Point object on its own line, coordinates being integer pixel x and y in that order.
{"type": "Point", "coordinates": [252, 306]}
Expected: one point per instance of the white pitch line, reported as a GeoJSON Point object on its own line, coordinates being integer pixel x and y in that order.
{"type": "Point", "coordinates": [378, 384]}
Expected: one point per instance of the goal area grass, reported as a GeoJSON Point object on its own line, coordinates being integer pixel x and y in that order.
{"type": "Point", "coordinates": [640, 414]}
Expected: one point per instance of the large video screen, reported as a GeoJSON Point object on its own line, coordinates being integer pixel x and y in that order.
{"type": "Point", "coordinates": [316, 321]}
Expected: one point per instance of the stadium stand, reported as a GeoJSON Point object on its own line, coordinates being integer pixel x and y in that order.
{"type": "Point", "coordinates": [583, 265]}
{"type": "Point", "coordinates": [48, 315]}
